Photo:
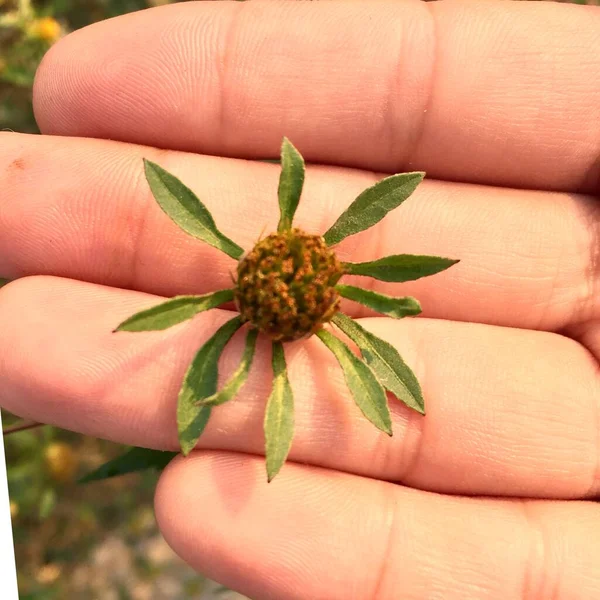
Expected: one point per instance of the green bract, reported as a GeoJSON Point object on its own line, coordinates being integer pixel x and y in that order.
{"type": "Point", "coordinates": [286, 288]}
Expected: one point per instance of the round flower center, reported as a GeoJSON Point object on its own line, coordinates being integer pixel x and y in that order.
{"type": "Point", "coordinates": [286, 285]}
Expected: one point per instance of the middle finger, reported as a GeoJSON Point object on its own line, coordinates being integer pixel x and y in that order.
{"type": "Point", "coordinates": [94, 219]}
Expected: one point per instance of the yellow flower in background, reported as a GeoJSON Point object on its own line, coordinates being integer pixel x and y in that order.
{"type": "Point", "coordinates": [46, 28]}
{"type": "Point", "coordinates": [14, 509]}
{"type": "Point", "coordinates": [61, 461]}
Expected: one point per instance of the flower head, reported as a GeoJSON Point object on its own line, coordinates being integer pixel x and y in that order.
{"type": "Point", "coordinates": [288, 287]}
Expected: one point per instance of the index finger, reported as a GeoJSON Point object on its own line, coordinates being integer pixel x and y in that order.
{"type": "Point", "coordinates": [500, 93]}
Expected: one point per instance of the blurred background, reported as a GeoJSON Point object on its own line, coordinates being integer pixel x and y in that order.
{"type": "Point", "coordinates": [27, 29]}
{"type": "Point", "coordinates": [94, 541]}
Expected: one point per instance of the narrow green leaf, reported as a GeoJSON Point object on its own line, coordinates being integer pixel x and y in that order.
{"type": "Point", "coordinates": [291, 181]}
{"type": "Point", "coordinates": [3, 281]}
{"type": "Point", "coordinates": [201, 382]}
{"type": "Point", "coordinates": [48, 503]}
{"type": "Point", "coordinates": [132, 461]}
{"type": "Point", "coordinates": [368, 393]}
{"type": "Point", "coordinates": [174, 311]}
{"type": "Point", "coordinates": [400, 267]}
{"type": "Point", "coordinates": [393, 373]}
{"type": "Point", "coordinates": [372, 205]}
{"type": "Point", "coordinates": [279, 415]}
{"type": "Point", "coordinates": [386, 305]}
{"type": "Point", "coordinates": [233, 386]}
{"type": "Point", "coordinates": [186, 209]}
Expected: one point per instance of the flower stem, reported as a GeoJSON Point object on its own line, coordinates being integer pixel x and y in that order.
{"type": "Point", "coordinates": [21, 426]}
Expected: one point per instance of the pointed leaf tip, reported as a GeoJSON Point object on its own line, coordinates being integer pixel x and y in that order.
{"type": "Point", "coordinates": [174, 311]}
{"type": "Point", "coordinates": [393, 373]}
{"type": "Point", "coordinates": [372, 205]}
{"type": "Point", "coordinates": [200, 382]}
{"type": "Point", "coordinates": [291, 181]}
{"type": "Point", "coordinates": [185, 209]}
{"type": "Point", "coordinates": [386, 305]}
{"type": "Point", "coordinates": [132, 461]}
{"type": "Point", "coordinates": [279, 416]}
{"type": "Point", "coordinates": [367, 392]}
{"type": "Point", "coordinates": [400, 267]}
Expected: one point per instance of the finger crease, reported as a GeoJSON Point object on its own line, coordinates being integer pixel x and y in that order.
{"type": "Point", "coordinates": [594, 489]}
{"type": "Point", "coordinates": [594, 266]}
{"type": "Point", "coordinates": [536, 575]}
{"type": "Point", "coordinates": [223, 69]}
{"type": "Point", "coordinates": [386, 554]}
{"type": "Point", "coordinates": [139, 227]}
{"type": "Point", "coordinates": [412, 149]}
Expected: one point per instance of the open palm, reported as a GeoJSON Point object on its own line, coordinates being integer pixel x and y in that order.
{"type": "Point", "coordinates": [489, 496]}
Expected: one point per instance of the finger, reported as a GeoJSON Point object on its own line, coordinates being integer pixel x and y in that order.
{"type": "Point", "coordinates": [587, 334]}
{"type": "Point", "coordinates": [509, 412]}
{"type": "Point", "coordinates": [95, 219]}
{"type": "Point", "coordinates": [320, 534]}
{"type": "Point", "coordinates": [479, 92]}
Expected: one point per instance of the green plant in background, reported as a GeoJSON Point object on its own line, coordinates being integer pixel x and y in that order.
{"type": "Point", "coordinates": [26, 33]}
{"type": "Point", "coordinates": [63, 531]}
{"type": "Point", "coordinates": [28, 28]}
{"type": "Point", "coordinates": [288, 288]}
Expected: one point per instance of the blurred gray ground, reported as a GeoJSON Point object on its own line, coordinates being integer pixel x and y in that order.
{"type": "Point", "coordinates": [116, 571]}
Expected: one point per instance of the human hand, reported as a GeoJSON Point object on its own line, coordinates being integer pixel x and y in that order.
{"type": "Point", "coordinates": [507, 350]}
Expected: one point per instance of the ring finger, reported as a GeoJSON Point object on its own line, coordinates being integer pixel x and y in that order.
{"type": "Point", "coordinates": [502, 416]}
